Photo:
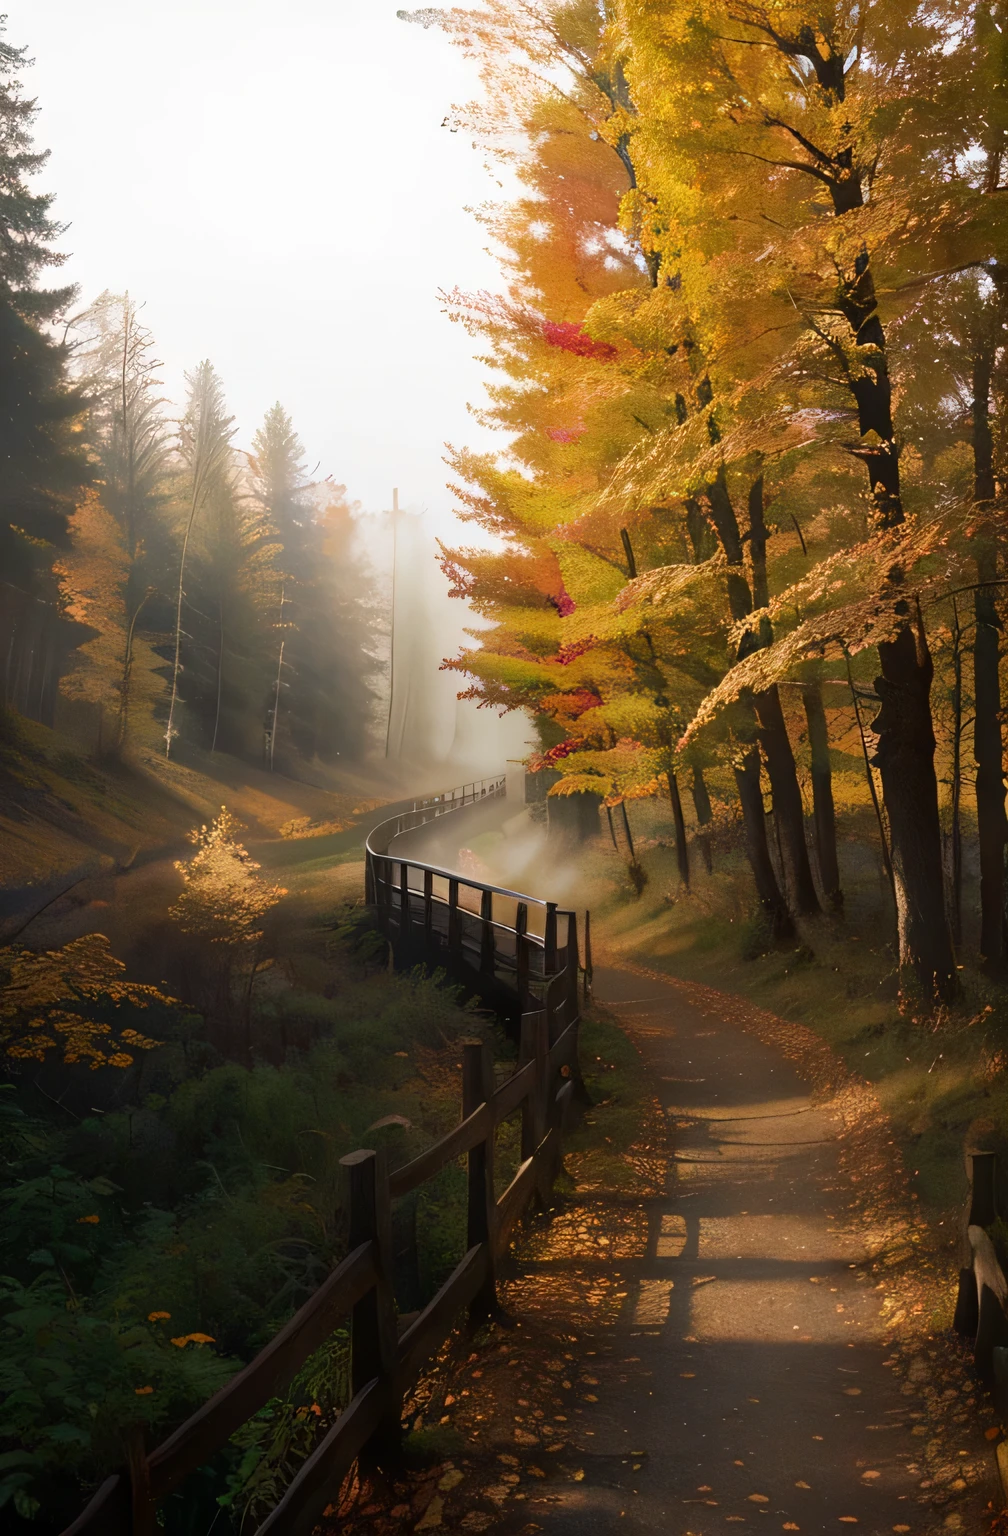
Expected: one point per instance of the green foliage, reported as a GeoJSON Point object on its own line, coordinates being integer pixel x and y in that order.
{"type": "Point", "coordinates": [161, 1243]}
{"type": "Point", "coordinates": [76, 1378]}
{"type": "Point", "coordinates": [275, 1442]}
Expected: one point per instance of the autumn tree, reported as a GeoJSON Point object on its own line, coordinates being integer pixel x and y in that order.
{"type": "Point", "coordinates": [73, 1002]}
{"type": "Point", "coordinates": [127, 427]}
{"type": "Point", "coordinates": [222, 906]}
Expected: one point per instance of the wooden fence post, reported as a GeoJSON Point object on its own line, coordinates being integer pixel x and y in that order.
{"type": "Point", "coordinates": [477, 1088]}
{"type": "Point", "coordinates": [521, 954]}
{"type": "Point", "coordinates": [454, 931]}
{"type": "Point", "coordinates": [487, 934]}
{"type": "Point", "coordinates": [428, 905]}
{"type": "Point", "coordinates": [404, 906]}
{"type": "Point", "coordinates": [550, 939]}
{"type": "Point", "coordinates": [374, 1334]}
{"type": "Point", "coordinates": [587, 958]}
{"type": "Point", "coordinates": [573, 961]}
{"type": "Point", "coordinates": [142, 1518]}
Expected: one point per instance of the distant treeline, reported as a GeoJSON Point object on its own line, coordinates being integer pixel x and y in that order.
{"type": "Point", "coordinates": [191, 593]}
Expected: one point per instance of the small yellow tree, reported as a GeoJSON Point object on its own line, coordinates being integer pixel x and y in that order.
{"type": "Point", "coordinates": [224, 901]}
{"type": "Point", "coordinates": [71, 1000]}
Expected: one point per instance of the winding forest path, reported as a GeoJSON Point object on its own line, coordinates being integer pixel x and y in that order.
{"type": "Point", "coordinates": [745, 1380]}
{"type": "Point", "coordinates": [704, 1340]}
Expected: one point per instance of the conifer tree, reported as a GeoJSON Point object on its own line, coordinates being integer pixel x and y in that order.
{"type": "Point", "coordinates": [204, 443]}
{"type": "Point", "coordinates": [131, 437]}
{"type": "Point", "coordinates": [321, 698]}
{"type": "Point", "coordinates": [42, 455]}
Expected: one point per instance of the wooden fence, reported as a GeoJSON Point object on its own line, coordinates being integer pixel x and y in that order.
{"type": "Point", "coordinates": [519, 953]}
{"type": "Point", "coordinates": [385, 1360]}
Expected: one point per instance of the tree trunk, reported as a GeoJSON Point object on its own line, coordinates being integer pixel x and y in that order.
{"type": "Point", "coordinates": [758, 849]}
{"type": "Point", "coordinates": [220, 672]}
{"type": "Point", "coordinates": [992, 827]}
{"type": "Point", "coordinates": [681, 847]}
{"type": "Point", "coordinates": [789, 812]}
{"type": "Point", "coordinates": [955, 915]}
{"type": "Point", "coordinates": [704, 815]}
{"type": "Point", "coordinates": [904, 756]}
{"type": "Point", "coordinates": [823, 813]}
{"type": "Point", "coordinates": [904, 753]}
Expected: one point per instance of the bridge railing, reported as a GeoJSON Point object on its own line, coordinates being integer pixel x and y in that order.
{"type": "Point", "coordinates": [519, 952]}
{"type": "Point", "coordinates": [386, 1357]}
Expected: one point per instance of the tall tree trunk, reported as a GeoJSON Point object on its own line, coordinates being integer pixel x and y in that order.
{"type": "Point", "coordinates": [823, 813]}
{"type": "Point", "coordinates": [127, 672]}
{"type": "Point", "coordinates": [750, 791]}
{"type": "Point", "coordinates": [955, 915]}
{"type": "Point", "coordinates": [992, 826]}
{"type": "Point", "coordinates": [681, 847]}
{"type": "Point", "coordinates": [220, 671]}
{"type": "Point", "coordinates": [787, 801]}
{"type": "Point", "coordinates": [789, 812]}
{"type": "Point", "coordinates": [904, 756]}
{"type": "Point", "coordinates": [904, 753]}
{"type": "Point", "coordinates": [704, 814]}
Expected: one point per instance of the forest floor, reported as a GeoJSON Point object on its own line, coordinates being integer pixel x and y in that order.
{"type": "Point", "coordinates": [724, 1321]}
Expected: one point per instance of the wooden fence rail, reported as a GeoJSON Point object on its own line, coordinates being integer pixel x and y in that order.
{"type": "Point", "coordinates": [384, 1364]}
{"type": "Point", "coordinates": [518, 952]}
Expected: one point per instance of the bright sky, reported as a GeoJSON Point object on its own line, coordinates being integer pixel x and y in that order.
{"type": "Point", "coordinates": [275, 182]}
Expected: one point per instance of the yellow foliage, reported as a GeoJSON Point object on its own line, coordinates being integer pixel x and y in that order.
{"type": "Point", "coordinates": [48, 999]}
{"type": "Point", "coordinates": [223, 899]}
{"type": "Point", "coordinates": [92, 581]}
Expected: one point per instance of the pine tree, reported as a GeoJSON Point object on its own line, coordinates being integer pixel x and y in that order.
{"type": "Point", "coordinates": [42, 455]}
{"type": "Point", "coordinates": [130, 434]}
{"type": "Point", "coordinates": [321, 698]}
{"type": "Point", "coordinates": [204, 444]}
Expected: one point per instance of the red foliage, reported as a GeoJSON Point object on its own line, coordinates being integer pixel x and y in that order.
{"type": "Point", "coordinates": [555, 754]}
{"type": "Point", "coordinates": [562, 602]}
{"type": "Point", "coordinates": [570, 652]}
{"type": "Point", "coordinates": [461, 581]}
{"type": "Point", "coordinates": [564, 434]}
{"type": "Point", "coordinates": [569, 336]}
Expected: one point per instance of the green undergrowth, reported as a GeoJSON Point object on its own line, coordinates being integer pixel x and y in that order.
{"type": "Point", "coordinates": [161, 1223]}
{"type": "Point", "coordinates": [942, 1076]}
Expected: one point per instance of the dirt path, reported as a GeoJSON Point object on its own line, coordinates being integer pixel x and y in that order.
{"type": "Point", "coordinates": [703, 1343]}
{"type": "Point", "coordinates": [745, 1380]}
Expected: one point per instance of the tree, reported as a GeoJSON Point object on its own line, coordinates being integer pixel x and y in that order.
{"type": "Point", "coordinates": [74, 1001]}
{"type": "Point", "coordinates": [204, 443]}
{"type": "Point", "coordinates": [223, 904]}
{"type": "Point", "coordinates": [128, 429]}
{"type": "Point", "coordinates": [43, 454]}
{"type": "Point", "coordinates": [92, 580]}
{"type": "Point", "coordinates": [322, 698]}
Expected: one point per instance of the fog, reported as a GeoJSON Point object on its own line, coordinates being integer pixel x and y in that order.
{"type": "Point", "coordinates": [426, 734]}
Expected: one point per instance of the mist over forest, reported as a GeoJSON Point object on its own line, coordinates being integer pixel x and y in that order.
{"type": "Point", "coordinates": [504, 998]}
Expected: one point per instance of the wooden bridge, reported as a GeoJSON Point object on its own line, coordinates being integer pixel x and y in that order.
{"type": "Point", "coordinates": [522, 955]}
{"type": "Point", "coordinates": [519, 953]}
